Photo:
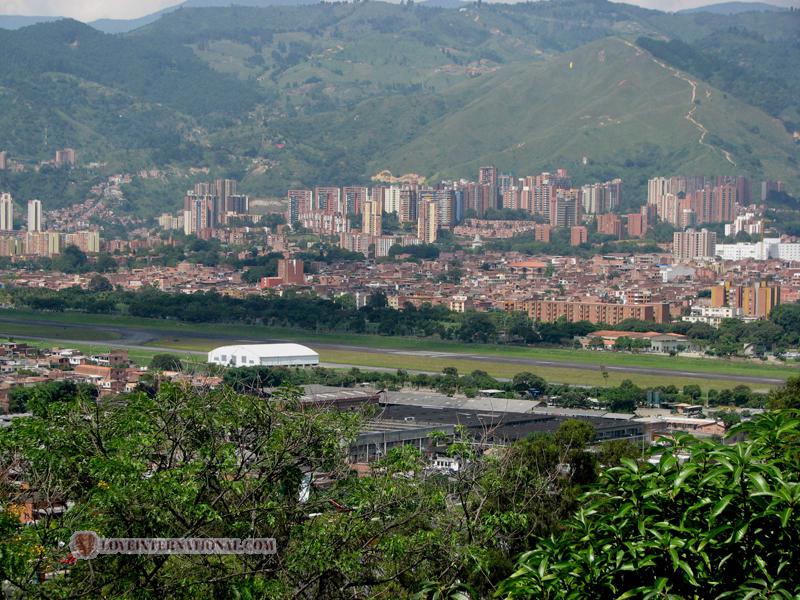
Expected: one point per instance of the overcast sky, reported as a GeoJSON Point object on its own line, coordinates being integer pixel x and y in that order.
{"type": "Point", "coordinates": [88, 10]}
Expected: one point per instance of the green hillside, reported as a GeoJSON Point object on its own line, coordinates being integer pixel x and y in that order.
{"type": "Point", "coordinates": [332, 93]}
{"type": "Point", "coordinates": [617, 107]}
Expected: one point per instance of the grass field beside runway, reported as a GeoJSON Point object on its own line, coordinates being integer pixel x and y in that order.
{"type": "Point", "coordinates": [346, 359]}
{"type": "Point", "coordinates": [202, 337]}
{"type": "Point", "coordinates": [57, 332]}
{"type": "Point", "coordinates": [435, 364]}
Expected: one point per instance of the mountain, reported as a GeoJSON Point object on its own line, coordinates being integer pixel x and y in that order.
{"type": "Point", "coordinates": [66, 84]}
{"type": "Point", "coordinates": [734, 8]}
{"type": "Point", "coordinates": [126, 25]}
{"type": "Point", "coordinates": [281, 96]}
{"type": "Point", "coordinates": [19, 21]}
{"type": "Point", "coordinates": [616, 106]}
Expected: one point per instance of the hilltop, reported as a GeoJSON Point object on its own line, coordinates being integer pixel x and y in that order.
{"type": "Point", "coordinates": [617, 107]}
{"type": "Point", "coordinates": [299, 95]}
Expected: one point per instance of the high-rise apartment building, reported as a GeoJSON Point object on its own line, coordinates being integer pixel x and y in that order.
{"type": "Point", "coordinates": [11, 245]}
{"type": "Point", "coordinates": [610, 224]}
{"type": "Point", "coordinates": [300, 202]}
{"type": "Point", "coordinates": [770, 186]}
{"type": "Point", "coordinates": [541, 232]}
{"type": "Point", "coordinates": [543, 196]}
{"type": "Point", "coordinates": [42, 243]}
{"type": "Point", "coordinates": [228, 200]}
{"type": "Point", "coordinates": [483, 197]}
{"type": "Point", "coordinates": [487, 176]}
{"type": "Point", "coordinates": [328, 199]}
{"type": "Point", "coordinates": [512, 198]}
{"type": "Point", "coordinates": [599, 198]}
{"type": "Point", "coordinates": [407, 211]}
{"type": "Point", "coordinates": [428, 220]}
{"type": "Point", "coordinates": [290, 271]}
{"type": "Point", "coordinates": [371, 223]}
{"type": "Point", "coordinates": [693, 245]}
{"type": "Point", "coordinates": [578, 235]}
{"type": "Point", "coordinates": [354, 198]}
{"type": "Point", "coordinates": [35, 215]}
{"type": "Point", "coordinates": [756, 300]}
{"type": "Point", "coordinates": [565, 209]}
{"type": "Point", "coordinates": [391, 200]}
{"type": "Point", "coordinates": [445, 206]}
{"type": "Point", "coordinates": [198, 214]}
{"type": "Point", "coordinates": [504, 181]}
{"type": "Point", "coordinates": [6, 212]}
{"type": "Point", "coordinates": [236, 204]}
{"type": "Point", "coordinates": [635, 225]}
{"type": "Point", "coordinates": [87, 241]}
{"type": "Point", "coordinates": [723, 204]}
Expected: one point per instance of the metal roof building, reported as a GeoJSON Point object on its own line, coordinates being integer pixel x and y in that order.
{"type": "Point", "coordinates": [264, 355]}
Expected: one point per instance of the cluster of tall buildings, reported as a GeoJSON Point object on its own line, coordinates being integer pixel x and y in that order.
{"type": "Point", "coordinates": [755, 300]}
{"type": "Point", "coordinates": [208, 206]}
{"type": "Point", "coordinates": [690, 201]}
{"type": "Point", "coordinates": [35, 241]}
{"type": "Point", "coordinates": [550, 196]}
{"type": "Point", "coordinates": [34, 222]}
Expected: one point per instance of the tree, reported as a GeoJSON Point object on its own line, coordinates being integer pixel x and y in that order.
{"type": "Point", "coordinates": [612, 452]}
{"type": "Point", "coordinates": [526, 382]}
{"type": "Point", "coordinates": [729, 418]}
{"type": "Point", "coordinates": [720, 524]}
{"type": "Point", "coordinates": [624, 398]}
{"type": "Point", "coordinates": [574, 434]}
{"type": "Point", "coordinates": [693, 391]}
{"type": "Point", "coordinates": [165, 362]}
{"type": "Point", "coordinates": [787, 316]}
{"type": "Point", "coordinates": [105, 263]}
{"type": "Point", "coordinates": [477, 327]}
{"type": "Point", "coordinates": [185, 462]}
{"type": "Point", "coordinates": [786, 396]}
{"type": "Point", "coordinates": [71, 260]}
{"type": "Point", "coordinates": [98, 284]}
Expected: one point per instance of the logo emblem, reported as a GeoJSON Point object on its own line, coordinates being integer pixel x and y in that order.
{"type": "Point", "coordinates": [83, 544]}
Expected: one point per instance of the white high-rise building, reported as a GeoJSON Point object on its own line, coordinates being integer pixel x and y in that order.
{"type": "Point", "coordinates": [6, 212]}
{"type": "Point", "coordinates": [34, 215]}
{"type": "Point", "coordinates": [391, 201]}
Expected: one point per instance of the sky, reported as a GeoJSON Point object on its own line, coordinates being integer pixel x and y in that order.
{"type": "Point", "coordinates": [88, 10]}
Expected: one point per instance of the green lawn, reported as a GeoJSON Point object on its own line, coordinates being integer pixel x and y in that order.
{"type": "Point", "coordinates": [56, 332]}
{"type": "Point", "coordinates": [506, 370]}
{"type": "Point", "coordinates": [177, 335]}
{"type": "Point", "coordinates": [346, 359]}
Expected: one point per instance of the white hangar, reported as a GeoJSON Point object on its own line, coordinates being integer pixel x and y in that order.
{"type": "Point", "coordinates": [264, 355]}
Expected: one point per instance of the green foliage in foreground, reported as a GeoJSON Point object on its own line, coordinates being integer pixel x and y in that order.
{"type": "Point", "coordinates": [704, 521]}
{"type": "Point", "coordinates": [186, 462]}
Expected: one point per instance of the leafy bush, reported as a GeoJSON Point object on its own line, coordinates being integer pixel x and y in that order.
{"type": "Point", "coordinates": [721, 523]}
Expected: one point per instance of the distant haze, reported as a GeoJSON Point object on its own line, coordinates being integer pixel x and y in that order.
{"type": "Point", "coordinates": [85, 10]}
{"type": "Point", "coordinates": [89, 10]}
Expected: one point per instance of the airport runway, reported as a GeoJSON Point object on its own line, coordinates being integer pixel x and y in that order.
{"type": "Point", "coordinates": [136, 338]}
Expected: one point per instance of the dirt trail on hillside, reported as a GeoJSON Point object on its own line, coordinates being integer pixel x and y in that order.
{"type": "Point", "coordinates": [690, 116]}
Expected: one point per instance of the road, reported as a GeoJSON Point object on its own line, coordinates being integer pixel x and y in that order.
{"type": "Point", "coordinates": [137, 338]}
